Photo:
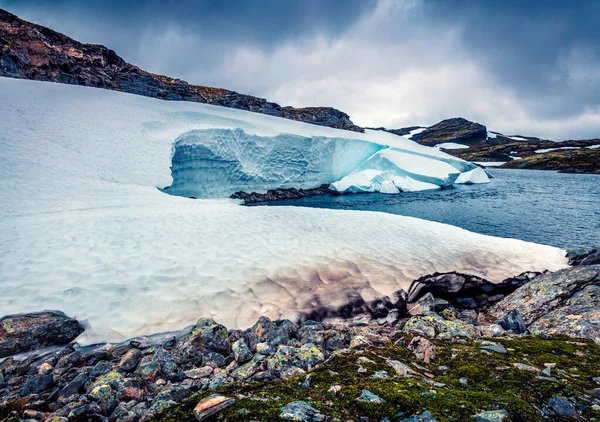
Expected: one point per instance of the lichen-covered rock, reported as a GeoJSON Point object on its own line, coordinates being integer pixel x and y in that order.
{"type": "Point", "coordinates": [206, 337]}
{"type": "Point", "coordinates": [424, 304]}
{"type": "Point", "coordinates": [432, 325]}
{"type": "Point", "coordinates": [24, 332]}
{"type": "Point", "coordinates": [301, 411]}
{"type": "Point", "coordinates": [491, 416]}
{"type": "Point", "coordinates": [423, 349]}
{"type": "Point", "coordinates": [563, 302]}
{"type": "Point", "coordinates": [241, 351]}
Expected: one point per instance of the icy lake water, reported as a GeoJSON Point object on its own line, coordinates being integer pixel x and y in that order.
{"type": "Point", "coordinates": [545, 207]}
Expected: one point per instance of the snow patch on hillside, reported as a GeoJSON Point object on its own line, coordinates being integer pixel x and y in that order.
{"type": "Point", "coordinates": [85, 229]}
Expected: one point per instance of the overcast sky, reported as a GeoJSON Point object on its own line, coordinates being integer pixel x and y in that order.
{"type": "Point", "coordinates": [519, 67]}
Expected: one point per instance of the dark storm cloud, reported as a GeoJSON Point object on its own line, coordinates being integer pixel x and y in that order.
{"type": "Point", "coordinates": [518, 66]}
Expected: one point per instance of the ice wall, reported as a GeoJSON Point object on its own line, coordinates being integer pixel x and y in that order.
{"type": "Point", "coordinates": [215, 163]}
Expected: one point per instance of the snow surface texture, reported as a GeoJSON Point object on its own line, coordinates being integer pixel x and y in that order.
{"type": "Point", "coordinates": [84, 229]}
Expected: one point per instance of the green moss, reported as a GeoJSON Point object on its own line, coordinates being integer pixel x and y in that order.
{"type": "Point", "coordinates": [493, 383]}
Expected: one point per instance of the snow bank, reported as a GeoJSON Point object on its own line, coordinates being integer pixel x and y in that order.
{"type": "Point", "coordinates": [545, 150]}
{"type": "Point", "coordinates": [85, 229]}
{"type": "Point", "coordinates": [451, 145]}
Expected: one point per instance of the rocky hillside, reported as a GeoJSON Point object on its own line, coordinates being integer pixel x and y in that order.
{"type": "Point", "coordinates": [583, 160]}
{"type": "Point", "coordinates": [31, 51]}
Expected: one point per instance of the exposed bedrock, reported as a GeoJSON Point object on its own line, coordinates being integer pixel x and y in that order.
{"type": "Point", "coordinates": [564, 302]}
{"type": "Point", "coordinates": [280, 194]}
{"type": "Point", "coordinates": [24, 332]}
{"type": "Point", "coordinates": [31, 51]}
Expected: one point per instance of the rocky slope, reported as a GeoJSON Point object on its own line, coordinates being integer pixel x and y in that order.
{"type": "Point", "coordinates": [31, 51]}
{"type": "Point", "coordinates": [567, 161]}
{"type": "Point", "coordinates": [434, 359]}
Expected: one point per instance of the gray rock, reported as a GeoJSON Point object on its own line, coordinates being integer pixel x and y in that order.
{"type": "Point", "coordinates": [380, 374]}
{"type": "Point", "coordinates": [497, 348]}
{"type": "Point", "coordinates": [368, 397]}
{"type": "Point", "coordinates": [241, 351]}
{"type": "Point", "coordinates": [301, 411]}
{"type": "Point", "coordinates": [24, 332]}
{"type": "Point", "coordinates": [584, 256]}
{"type": "Point", "coordinates": [74, 387]}
{"type": "Point", "coordinates": [513, 321]}
{"type": "Point", "coordinates": [130, 360]}
{"type": "Point", "coordinates": [38, 384]}
{"type": "Point", "coordinates": [491, 416]}
{"type": "Point", "coordinates": [425, 304]}
{"type": "Point", "coordinates": [211, 405]}
{"type": "Point", "coordinates": [562, 407]}
{"type": "Point", "coordinates": [426, 416]}
{"type": "Point", "coordinates": [423, 349]}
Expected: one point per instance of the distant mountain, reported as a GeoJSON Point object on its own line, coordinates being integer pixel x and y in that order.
{"type": "Point", "coordinates": [31, 51]}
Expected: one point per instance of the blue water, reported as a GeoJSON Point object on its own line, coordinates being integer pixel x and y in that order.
{"type": "Point", "coordinates": [539, 206]}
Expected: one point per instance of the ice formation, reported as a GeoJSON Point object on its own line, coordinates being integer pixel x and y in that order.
{"type": "Point", "coordinates": [85, 229]}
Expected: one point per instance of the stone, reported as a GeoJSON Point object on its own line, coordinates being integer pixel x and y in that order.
{"type": "Point", "coordinates": [525, 367]}
{"type": "Point", "coordinates": [211, 405]}
{"type": "Point", "coordinates": [433, 325]}
{"type": "Point", "coordinates": [25, 332]}
{"type": "Point", "coordinates": [359, 342]}
{"type": "Point", "coordinates": [426, 416]}
{"type": "Point", "coordinates": [584, 256]}
{"type": "Point", "coordinates": [301, 411]}
{"type": "Point", "coordinates": [513, 321]}
{"type": "Point", "coordinates": [334, 389]}
{"type": "Point", "coordinates": [562, 407]}
{"type": "Point", "coordinates": [423, 349]}
{"type": "Point", "coordinates": [491, 416]}
{"type": "Point", "coordinates": [130, 360]}
{"type": "Point", "coordinates": [380, 374]}
{"type": "Point", "coordinates": [241, 351]}
{"type": "Point", "coordinates": [38, 384]}
{"type": "Point", "coordinates": [425, 304]}
{"type": "Point", "coordinates": [197, 373]}
{"type": "Point", "coordinates": [368, 397]}
{"type": "Point", "coordinates": [497, 348]}
{"type": "Point", "coordinates": [401, 368]}
{"type": "Point", "coordinates": [77, 386]}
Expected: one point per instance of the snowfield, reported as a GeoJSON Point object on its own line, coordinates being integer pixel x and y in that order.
{"type": "Point", "coordinates": [84, 227]}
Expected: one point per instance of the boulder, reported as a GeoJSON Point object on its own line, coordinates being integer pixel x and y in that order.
{"type": "Point", "coordinates": [585, 256]}
{"type": "Point", "coordinates": [564, 302]}
{"type": "Point", "coordinates": [425, 304]}
{"type": "Point", "coordinates": [211, 405]}
{"type": "Point", "coordinates": [24, 332]}
{"type": "Point", "coordinates": [513, 321]}
{"type": "Point", "coordinates": [301, 411]}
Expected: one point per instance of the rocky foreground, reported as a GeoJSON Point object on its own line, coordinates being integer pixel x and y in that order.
{"type": "Point", "coordinates": [453, 348]}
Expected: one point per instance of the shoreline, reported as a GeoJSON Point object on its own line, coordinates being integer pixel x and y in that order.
{"type": "Point", "coordinates": [152, 377]}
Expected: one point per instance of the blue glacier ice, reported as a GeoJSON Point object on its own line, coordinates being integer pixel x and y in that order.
{"type": "Point", "coordinates": [213, 163]}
